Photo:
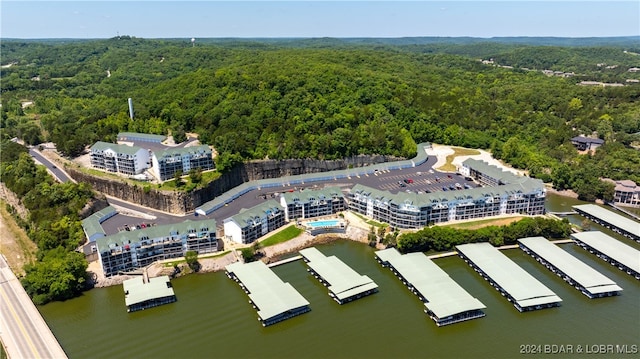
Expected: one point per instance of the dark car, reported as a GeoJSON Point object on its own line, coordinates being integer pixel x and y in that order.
{"type": "Point", "coordinates": [445, 189]}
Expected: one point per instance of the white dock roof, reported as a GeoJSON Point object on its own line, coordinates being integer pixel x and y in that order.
{"type": "Point", "coordinates": [343, 281]}
{"type": "Point", "coordinates": [267, 291]}
{"type": "Point", "coordinates": [611, 247]}
{"type": "Point", "coordinates": [592, 280]}
{"type": "Point", "coordinates": [521, 286]}
{"type": "Point", "coordinates": [444, 296]}
{"type": "Point", "coordinates": [136, 291]}
{"type": "Point", "coordinates": [610, 217]}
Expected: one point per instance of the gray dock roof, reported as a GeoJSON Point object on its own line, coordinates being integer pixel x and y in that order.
{"type": "Point", "coordinates": [444, 296]}
{"type": "Point", "coordinates": [267, 291]}
{"type": "Point", "coordinates": [136, 291]}
{"type": "Point", "coordinates": [343, 281]}
{"type": "Point", "coordinates": [611, 247]}
{"type": "Point", "coordinates": [592, 280]}
{"type": "Point", "coordinates": [123, 136]}
{"type": "Point", "coordinates": [610, 217]}
{"type": "Point", "coordinates": [521, 286]}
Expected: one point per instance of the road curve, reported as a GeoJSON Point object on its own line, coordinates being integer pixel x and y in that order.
{"type": "Point", "coordinates": [23, 331]}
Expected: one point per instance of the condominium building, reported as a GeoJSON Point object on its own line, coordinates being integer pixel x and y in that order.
{"type": "Point", "coordinates": [627, 193]}
{"type": "Point", "coordinates": [511, 195]}
{"type": "Point", "coordinates": [251, 224]}
{"type": "Point", "coordinates": [167, 162]}
{"type": "Point", "coordinates": [130, 250]}
{"type": "Point", "coordinates": [129, 160]}
{"type": "Point", "coordinates": [312, 203]}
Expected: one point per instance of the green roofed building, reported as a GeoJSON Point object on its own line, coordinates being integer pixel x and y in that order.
{"type": "Point", "coordinates": [312, 203]}
{"type": "Point", "coordinates": [130, 250]}
{"type": "Point", "coordinates": [506, 194]}
{"type": "Point", "coordinates": [140, 137]}
{"type": "Point", "coordinates": [142, 293]}
{"type": "Point", "coordinates": [111, 157]}
{"type": "Point", "coordinates": [92, 225]}
{"type": "Point", "coordinates": [167, 162]}
{"type": "Point", "coordinates": [253, 223]}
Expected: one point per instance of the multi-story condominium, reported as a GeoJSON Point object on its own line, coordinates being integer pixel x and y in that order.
{"type": "Point", "coordinates": [167, 162]}
{"type": "Point", "coordinates": [130, 250]}
{"type": "Point", "coordinates": [312, 203]}
{"type": "Point", "coordinates": [251, 224]}
{"type": "Point", "coordinates": [627, 193]}
{"type": "Point", "coordinates": [129, 160]}
{"type": "Point", "coordinates": [511, 194]}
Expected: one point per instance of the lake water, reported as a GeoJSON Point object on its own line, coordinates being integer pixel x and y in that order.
{"type": "Point", "coordinates": [212, 317]}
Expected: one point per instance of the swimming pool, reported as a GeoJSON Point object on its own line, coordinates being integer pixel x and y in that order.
{"type": "Point", "coordinates": [324, 223]}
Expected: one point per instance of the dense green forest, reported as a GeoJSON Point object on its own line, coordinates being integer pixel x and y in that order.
{"type": "Point", "coordinates": [328, 98]}
{"type": "Point", "coordinates": [53, 224]}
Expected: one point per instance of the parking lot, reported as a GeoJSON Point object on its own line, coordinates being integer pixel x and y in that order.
{"type": "Point", "coordinates": [421, 179]}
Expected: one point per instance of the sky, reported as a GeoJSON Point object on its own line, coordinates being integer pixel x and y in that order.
{"type": "Point", "coordinates": [272, 19]}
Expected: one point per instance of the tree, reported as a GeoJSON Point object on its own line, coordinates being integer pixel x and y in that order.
{"type": "Point", "coordinates": [58, 275]}
{"type": "Point", "coordinates": [192, 260]}
{"type": "Point", "coordinates": [177, 178]}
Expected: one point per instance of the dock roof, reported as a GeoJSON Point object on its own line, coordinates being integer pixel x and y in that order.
{"type": "Point", "coordinates": [343, 281]}
{"type": "Point", "coordinates": [610, 217]}
{"type": "Point", "coordinates": [267, 291]}
{"type": "Point", "coordinates": [611, 247]}
{"type": "Point", "coordinates": [444, 296]}
{"type": "Point", "coordinates": [592, 280]}
{"type": "Point", "coordinates": [137, 291]}
{"type": "Point", "coordinates": [521, 286]}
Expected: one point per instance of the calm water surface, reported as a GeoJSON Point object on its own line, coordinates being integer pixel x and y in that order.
{"type": "Point", "coordinates": [212, 317]}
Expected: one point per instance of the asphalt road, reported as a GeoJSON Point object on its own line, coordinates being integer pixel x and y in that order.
{"type": "Point", "coordinates": [22, 329]}
{"type": "Point", "coordinates": [57, 173]}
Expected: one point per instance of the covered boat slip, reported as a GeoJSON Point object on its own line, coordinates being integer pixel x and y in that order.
{"type": "Point", "coordinates": [343, 282]}
{"type": "Point", "coordinates": [621, 255]}
{"type": "Point", "coordinates": [617, 223]}
{"type": "Point", "coordinates": [521, 288]}
{"type": "Point", "coordinates": [142, 293]}
{"type": "Point", "coordinates": [274, 299]}
{"type": "Point", "coordinates": [575, 272]}
{"type": "Point", "coordinates": [446, 302]}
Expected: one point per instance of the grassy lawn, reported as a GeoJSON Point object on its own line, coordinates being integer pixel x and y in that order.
{"type": "Point", "coordinates": [457, 151]}
{"type": "Point", "coordinates": [484, 223]}
{"type": "Point", "coordinates": [204, 256]}
{"type": "Point", "coordinates": [286, 234]}
{"type": "Point", "coordinates": [371, 221]}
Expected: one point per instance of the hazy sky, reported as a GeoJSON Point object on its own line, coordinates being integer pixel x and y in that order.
{"type": "Point", "coordinates": [164, 19]}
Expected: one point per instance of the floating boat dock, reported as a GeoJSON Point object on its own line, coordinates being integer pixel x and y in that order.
{"type": "Point", "coordinates": [617, 223]}
{"type": "Point", "coordinates": [344, 284]}
{"type": "Point", "coordinates": [274, 299]}
{"type": "Point", "coordinates": [590, 282]}
{"type": "Point", "coordinates": [519, 287]}
{"type": "Point", "coordinates": [621, 255]}
{"type": "Point", "coordinates": [141, 293]}
{"type": "Point", "coordinates": [446, 302]}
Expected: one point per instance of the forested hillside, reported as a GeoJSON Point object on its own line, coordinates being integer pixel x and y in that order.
{"type": "Point", "coordinates": [328, 99]}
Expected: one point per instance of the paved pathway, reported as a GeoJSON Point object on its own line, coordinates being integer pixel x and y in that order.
{"type": "Point", "coordinates": [23, 331]}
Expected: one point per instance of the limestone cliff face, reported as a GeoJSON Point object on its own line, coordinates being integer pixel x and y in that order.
{"type": "Point", "coordinates": [180, 202]}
